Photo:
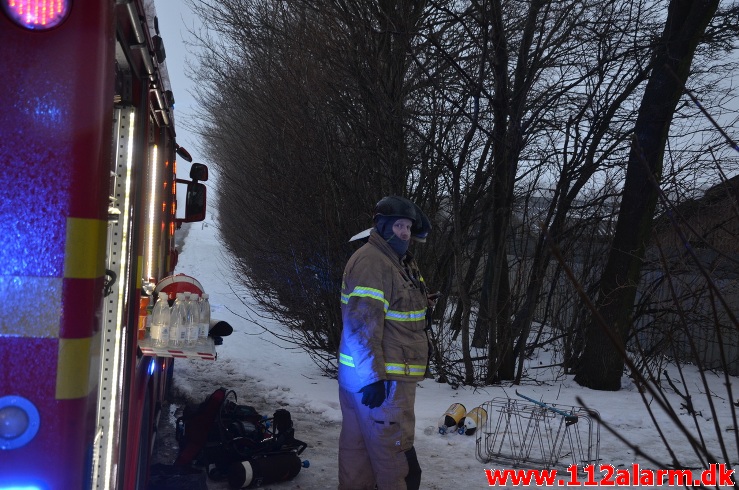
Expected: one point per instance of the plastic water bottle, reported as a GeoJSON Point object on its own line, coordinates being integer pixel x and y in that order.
{"type": "Point", "coordinates": [177, 325]}
{"type": "Point", "coordinates": [451, 417]}
{"type": "Point", "coordinates": [160, 319]}
{"type": "Point", "coordinates": [204, 306]}
{"type": "Point", "coordinates": [185, 314]}
{"type": "Point", "coordinates": [192, 306]}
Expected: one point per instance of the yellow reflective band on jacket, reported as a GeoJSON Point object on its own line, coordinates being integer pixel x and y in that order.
{"type": "Point", "coordinates": [346, 360]}
{"type": "Point", "coordinates": [365, 292]}
{"type": "Point", "coordinates": [390, 367]}
{"type": "Point", "coordinates": [407, 369]}
{"type": "Point", "coordinates": [397, 315]}
{"type": "Point", "coordinates": [406, 316]}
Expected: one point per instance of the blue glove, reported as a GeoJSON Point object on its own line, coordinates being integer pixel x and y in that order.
{"type": "Point", "coordinates": [373, 395]}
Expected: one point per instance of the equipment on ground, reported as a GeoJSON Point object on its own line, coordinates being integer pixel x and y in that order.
{"type": "Point", "coordinates": [236, 443]}
{"type": "Point", "coordinates": [475, 418]}
{"type": "Point", "coordinates": [538, 433]}
{"type": "Point", "coordinates": [451, 418]}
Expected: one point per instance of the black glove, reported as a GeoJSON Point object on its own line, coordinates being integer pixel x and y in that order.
{"type": "Point", "coordinates": [373, 395]}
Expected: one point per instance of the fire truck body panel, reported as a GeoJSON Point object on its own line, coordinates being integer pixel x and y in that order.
{"type": "Point", "coordinates": [52, 259]}
{"type": "Point", "coordinates": [87, 220]}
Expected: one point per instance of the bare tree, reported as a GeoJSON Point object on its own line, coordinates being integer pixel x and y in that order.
{"type": "Point", "coordinates": [522, 65]}
{"type": "Point", "coordinates": [601, 365]}
{"type": "Point", "coordinates": [307, 136]}
{"type": "Point", "coordinates": [507, 121]}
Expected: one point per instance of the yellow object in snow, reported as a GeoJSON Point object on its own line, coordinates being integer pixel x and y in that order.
{"type": "Point", "coordinates": [451, 417]}
{"type": "Point", "coordinates": [475, 418]}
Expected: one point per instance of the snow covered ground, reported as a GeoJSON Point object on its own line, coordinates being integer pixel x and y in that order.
{"type": "Point", "coordinates": [270, 374]}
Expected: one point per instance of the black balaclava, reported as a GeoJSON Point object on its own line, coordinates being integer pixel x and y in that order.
{"type": "Point", "coordinates": [384, 227]}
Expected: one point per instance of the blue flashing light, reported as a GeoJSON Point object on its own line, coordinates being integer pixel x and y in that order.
{"type": "Point", "coordinates": [20, 487]}
{"type": "Point", "coordinates": [152, 367]}
{"type": "Point", "coordinates": [19, 422]}
{"type": "Point", "coordinates": [47, 111]}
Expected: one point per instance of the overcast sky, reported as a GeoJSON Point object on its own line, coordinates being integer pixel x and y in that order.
{"type": "Point", "coordinates": [175, 18]}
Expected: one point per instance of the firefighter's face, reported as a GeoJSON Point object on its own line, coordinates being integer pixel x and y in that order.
{"type": "Point", "coordinates": [402, 228]}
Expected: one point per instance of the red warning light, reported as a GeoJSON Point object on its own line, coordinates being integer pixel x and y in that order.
{"type": "Point", "coordinates": [37, 14]}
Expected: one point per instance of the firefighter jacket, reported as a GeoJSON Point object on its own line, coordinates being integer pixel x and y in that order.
{"type": "Point", "coordinates": [383, 307]}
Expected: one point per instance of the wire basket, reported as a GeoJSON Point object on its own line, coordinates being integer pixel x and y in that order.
{"type": "Point", "coordinates": [538, 434]}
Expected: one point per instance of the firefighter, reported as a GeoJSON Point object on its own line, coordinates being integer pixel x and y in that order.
{"type": "Point", "coordinates": [383, 352]}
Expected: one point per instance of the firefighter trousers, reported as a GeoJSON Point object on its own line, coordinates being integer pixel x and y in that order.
{"type": "Point", "coordinates": [376, 444]}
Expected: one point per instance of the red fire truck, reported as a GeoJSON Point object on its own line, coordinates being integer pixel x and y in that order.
{"type": "Point", "coordinates": [87, 222]}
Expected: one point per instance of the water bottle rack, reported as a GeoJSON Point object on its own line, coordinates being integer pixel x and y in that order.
{"type": "Point", "coordinates": [538, 434]}
{"type": "Point", "coordinates": [205, 351]}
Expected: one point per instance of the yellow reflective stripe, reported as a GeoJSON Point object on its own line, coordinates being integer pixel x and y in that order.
{"type": "Point", "coordinates": [20, 315]}
{"type": "Point", "coordinates": [346, 360]}
{"type": "Point", "coordinates": [406, 316]}
{"type": "Point", "coordinates": [73, 367]}
{"type": "Point", "coordinates": [84, 249]}
{"type": "Point", "coordinates": [365, 292]}
{"type": "Point", "coordinates": [390, 367]}
{"type": "Point", "coordinates": [407, 369]}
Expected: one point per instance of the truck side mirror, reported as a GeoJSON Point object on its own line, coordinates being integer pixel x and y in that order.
{"type": "Point", "coordinates": [198, 171]}
{"type": "Point", "coordinates": [195, 202]}
{"type": "Point", "coordinates": [181, 151]}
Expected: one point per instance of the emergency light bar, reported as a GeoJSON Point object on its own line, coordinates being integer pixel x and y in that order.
{"type": "Point", "coordinates": [37, 14]}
